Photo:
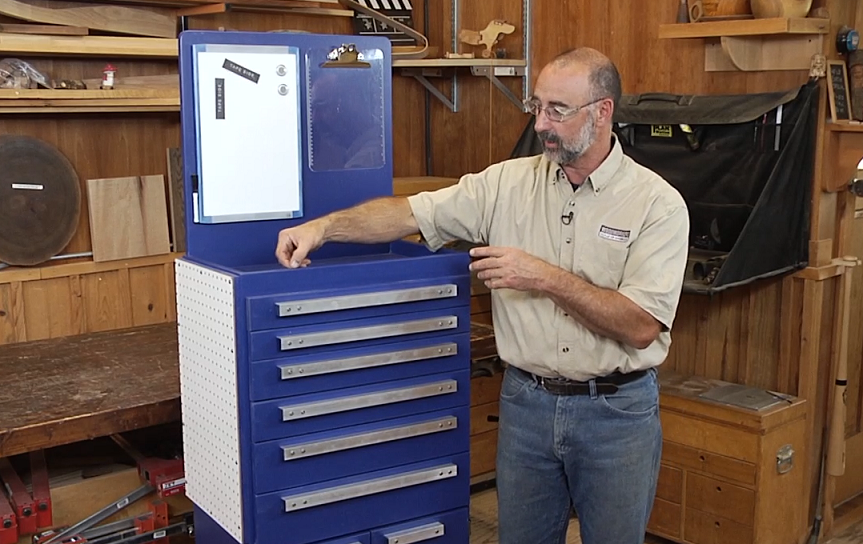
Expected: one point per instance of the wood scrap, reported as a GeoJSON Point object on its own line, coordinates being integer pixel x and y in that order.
{"type": "Point", "coordinates": [154, 22]}
{"type": "Point", "coordinates": [128, 217]}
{"type": "Point", "coordinates": [50, 30]}
{"type": "Point", "coordinates": [176, 198]}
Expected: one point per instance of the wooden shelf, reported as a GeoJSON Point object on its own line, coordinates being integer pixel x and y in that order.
{"type": "Point", "coordinates": [103, 46]}
{"type": "Point", "coordinates": [845, 127]}
{"type": "Point", "coordinates": [60, 269]}
{"type": "Point", "coordinates": [89, 101]}
{"type": "Point", "coordinates": [458, 63]}
{"type": "Point", "coordinates": [754, 44]}
{"type": "Point", "coordinates": [745, 27]}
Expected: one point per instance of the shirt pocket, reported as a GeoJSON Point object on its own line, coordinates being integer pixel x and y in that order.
{"type": "Point", "coordinates": [603, 262]}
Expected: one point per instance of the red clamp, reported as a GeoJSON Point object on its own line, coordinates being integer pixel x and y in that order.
{"type": "Point", "coordinates": [167, 476]}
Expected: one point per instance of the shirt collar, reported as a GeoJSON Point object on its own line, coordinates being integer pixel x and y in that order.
{"type": "Point", "coordinates": [604, 173]}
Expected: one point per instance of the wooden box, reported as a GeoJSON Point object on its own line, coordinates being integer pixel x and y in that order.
{"type": "Point", "coordinates": [728, 473]}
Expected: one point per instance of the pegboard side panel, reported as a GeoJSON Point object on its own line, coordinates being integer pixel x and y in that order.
{"type": "Point", "coordinates": [208, 388]}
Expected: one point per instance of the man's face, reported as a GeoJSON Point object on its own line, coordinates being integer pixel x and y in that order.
{"type": "Point", "coordinates": [563, 88]}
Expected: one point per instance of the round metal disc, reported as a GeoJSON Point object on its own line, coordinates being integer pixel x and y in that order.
{"type": "Point", "coordinates": [40, 201]}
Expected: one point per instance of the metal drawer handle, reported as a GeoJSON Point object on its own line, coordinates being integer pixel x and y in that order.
{"type": "Point", "coordinates": [416, 534]}
{"type": "Point", "coordinates": [346, 302]}
{"type": "Point", "coordinates": [369, 487]}
{"type": "Point", "coordinates": [366, 333]}
{"type": "Point", "coordinates": [369, 438]}
{"type": "Point", "coordinates": [389, 396]}
{"type": "Point", "coordinates": [367, 361]}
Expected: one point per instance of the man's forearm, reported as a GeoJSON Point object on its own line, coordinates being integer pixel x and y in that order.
{"type": "Point", "coordinates": [603, 311]}
{"type": "Point", "coordinates": [376, 221]}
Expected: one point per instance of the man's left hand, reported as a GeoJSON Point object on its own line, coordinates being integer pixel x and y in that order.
{"type": "Point", "coordinates": [508, 268]}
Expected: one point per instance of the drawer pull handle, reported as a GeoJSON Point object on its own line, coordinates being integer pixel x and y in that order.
{"type": "Point", "coordinates": [367, 361]}
{"type": "Point", "coordinates": [381, 436]}
{"type": "Point", "coordinates": [380, 298]}
{"type": "Point", "coordinates": [369, 487]}
{"type": "Point", "coordinates": [366, 333]}
{"type": "Point", "coordinates": [389, 396]}
{"type": "Point", "coordinates": [417, 534]}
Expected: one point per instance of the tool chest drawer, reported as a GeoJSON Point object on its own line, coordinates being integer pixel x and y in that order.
{"type": "Point", "coordinates": [451, 527]}
{"type": "Point", "coordinates": [294, 416]}
{"type": "Point", "coordinates": [347, 303]}
{"type": "Point", "coordinates": [359, 538]}
{"type": "Point", "coordinates": [303, 460]}
{"type": "Point", "coordinates": [305, 374]}
{"type": "Point", "coordinates": [324, 337]}
{"type": "Point", "coordinates": [371, 499]}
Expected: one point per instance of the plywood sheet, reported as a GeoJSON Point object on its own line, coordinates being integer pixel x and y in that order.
{"type": "Point", "coordinates": [128, 217]}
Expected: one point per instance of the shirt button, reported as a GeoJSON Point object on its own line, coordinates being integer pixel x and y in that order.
{"type": "Point", "coordinates": [565, 350]}
{"type": "Point", "coordinates": [569, 240]}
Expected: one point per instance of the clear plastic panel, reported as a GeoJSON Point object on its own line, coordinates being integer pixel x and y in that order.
{"type": "Point", "coordinates": [345, 111]}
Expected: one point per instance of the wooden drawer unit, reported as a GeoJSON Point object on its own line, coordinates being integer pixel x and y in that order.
{"type": "Point", "coordinates": [730, 469]}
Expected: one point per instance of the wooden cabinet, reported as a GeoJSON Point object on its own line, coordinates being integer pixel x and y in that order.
{"type": "Point", "coordinates": [729, 473]}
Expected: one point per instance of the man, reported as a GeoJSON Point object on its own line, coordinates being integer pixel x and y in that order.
{"type": "Point", "coordinates": [585, 259]}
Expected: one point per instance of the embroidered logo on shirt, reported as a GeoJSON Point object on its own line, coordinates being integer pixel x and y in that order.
{"type": "Point", "coordinates": [617, 235]}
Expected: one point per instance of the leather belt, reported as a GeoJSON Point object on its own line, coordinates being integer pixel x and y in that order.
{"type": "Point", "coordinates": [604, 385]}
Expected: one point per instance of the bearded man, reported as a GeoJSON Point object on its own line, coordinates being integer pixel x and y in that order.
{"type": "Point", "coordinates": [584, 252]}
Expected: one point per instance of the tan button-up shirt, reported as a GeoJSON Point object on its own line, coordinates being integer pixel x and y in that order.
{"type": "Point", "coordinates": [625, 228]}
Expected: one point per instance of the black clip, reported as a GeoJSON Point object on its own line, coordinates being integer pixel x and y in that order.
{"type": "Point", "coordinates": [345, 56]}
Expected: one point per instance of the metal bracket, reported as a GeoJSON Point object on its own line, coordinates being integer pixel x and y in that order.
{"type": "Point", "coordinates": [491, 73]}
{"type": "Point", "coordinates": [451, 104]}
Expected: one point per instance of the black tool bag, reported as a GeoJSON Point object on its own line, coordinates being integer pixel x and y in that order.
{"type": "Point", "coordinates": [744, 165]}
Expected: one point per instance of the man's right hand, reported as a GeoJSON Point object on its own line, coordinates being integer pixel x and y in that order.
{"type": "Point", "coordinates": [296, 243]}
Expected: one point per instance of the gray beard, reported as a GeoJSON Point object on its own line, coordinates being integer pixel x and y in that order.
{"type": "Point", "coordinates": [568, 152]}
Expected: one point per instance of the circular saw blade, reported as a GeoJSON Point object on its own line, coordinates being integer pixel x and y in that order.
{"type": "Point", "coordinates": [40, 201]}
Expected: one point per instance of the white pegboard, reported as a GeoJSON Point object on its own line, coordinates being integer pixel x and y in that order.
{"type": "Point", "coordinates": [208, 388]}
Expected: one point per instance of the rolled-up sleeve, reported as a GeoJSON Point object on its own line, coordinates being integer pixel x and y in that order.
{"type": "Point", "coordinates": [656, 265]}
{"type": "Point", "coordinates": [460, 212]}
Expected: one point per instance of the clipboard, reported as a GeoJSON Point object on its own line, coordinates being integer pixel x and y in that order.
{"type": "Point", "coordinates": [345, 108]}
{"type": "Point", "coordinates": [247, 114]}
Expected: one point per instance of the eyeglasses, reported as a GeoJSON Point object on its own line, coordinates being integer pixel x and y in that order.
{"type": "Point", "coordinates": [557, 114]}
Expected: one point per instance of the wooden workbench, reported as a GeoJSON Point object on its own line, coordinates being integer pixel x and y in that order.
{"type": "Point", "coordinates": [65, 390]}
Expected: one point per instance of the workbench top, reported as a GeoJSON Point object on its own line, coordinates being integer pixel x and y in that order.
{"type": "Point", "coordinates": [75, 388]}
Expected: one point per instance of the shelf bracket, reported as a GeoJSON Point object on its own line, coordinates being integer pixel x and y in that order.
{"type": "Point", "coordinates": [489, 72]}
{"type": "Point", "coordinates": [434, 91]}
{"type": "Point", "coordinates": [761, 53]}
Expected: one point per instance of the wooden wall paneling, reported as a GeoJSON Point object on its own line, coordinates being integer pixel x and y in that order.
{"type": "Point", "coordinates": [82, 297]}
{"type": "Point", "coordinates": [152, 296]}
{"type": "Point", "coordinates": [53, 308]}
{"type": "Point", "coordinates": [107, 300]}
{"type": "Point", "coordinates": [12, 324]}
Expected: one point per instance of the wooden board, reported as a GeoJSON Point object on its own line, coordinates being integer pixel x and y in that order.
{"type": "Point", "coordinates": [176, 200]}
{"type": "Point", "coordinates": [65, 390]}
{"type": "Point", "coordinates": [128, 217]}
{"type": "Point", "coordinates": [156, 22]}
{"type": "Point", "coordinates": [53, 30]}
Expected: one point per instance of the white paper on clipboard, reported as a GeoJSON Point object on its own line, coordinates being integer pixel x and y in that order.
{"type": "Point", "coordinates": [248, 116]}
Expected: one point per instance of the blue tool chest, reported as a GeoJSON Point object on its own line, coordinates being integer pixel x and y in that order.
{"type": "Point", "coordinates": [327, 404]}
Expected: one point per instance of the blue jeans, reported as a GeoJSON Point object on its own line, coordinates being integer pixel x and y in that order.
{"type": "Point", "coordinates": [598, 454]}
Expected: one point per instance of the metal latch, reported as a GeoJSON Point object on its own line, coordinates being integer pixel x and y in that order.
{"type": "Point", "coordinates": [784, 459]}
